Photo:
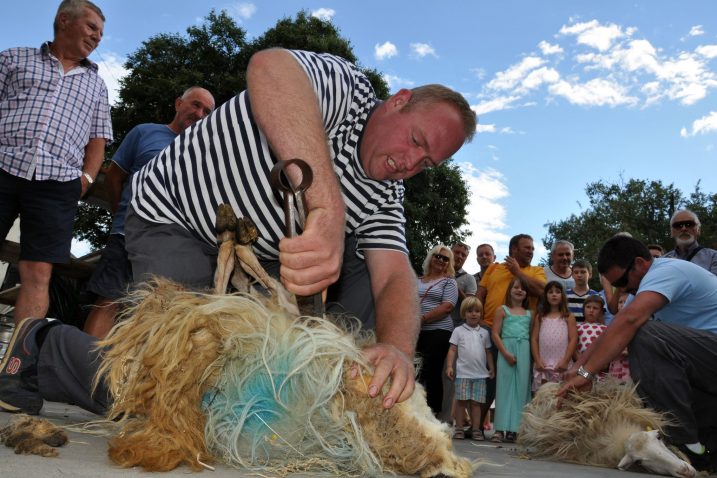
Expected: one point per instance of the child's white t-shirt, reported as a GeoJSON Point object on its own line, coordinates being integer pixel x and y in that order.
{"type": "Point", "coordinates": [471, 344]}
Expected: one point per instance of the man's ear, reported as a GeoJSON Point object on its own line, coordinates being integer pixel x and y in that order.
{"type": "Point", "coordinates": [178, 103]}
{"type": "Point", "coordinates": [401, 98]}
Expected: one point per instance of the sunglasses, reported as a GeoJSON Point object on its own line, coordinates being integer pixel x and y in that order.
{"type": "Point", "coordinates": [622, 281]}
{"type": "Point", "coordinates": [441, 257]}
{"type": "Point", "coordinates": [681, 224]}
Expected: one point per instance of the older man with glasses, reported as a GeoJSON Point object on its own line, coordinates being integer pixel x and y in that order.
{"type": "Point", "coordinates": [685, 228]}
{"type": "Point", "coordinates": [670, 330]}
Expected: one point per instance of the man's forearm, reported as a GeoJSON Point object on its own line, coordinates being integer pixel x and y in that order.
{"type": "Point", "coordinates": [396, 299]}
{"type": "Point", "coordinates": [94, 154]}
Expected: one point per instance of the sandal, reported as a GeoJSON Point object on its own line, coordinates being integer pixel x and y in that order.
{"type": "Point", "coordinates": [478, 435]}
{"type": "Point", "coordinates": [510, 437]}
{"type": "Point", "coordinates": [459, 434]}
{"type": "Point", "coordinates": [497, 437]}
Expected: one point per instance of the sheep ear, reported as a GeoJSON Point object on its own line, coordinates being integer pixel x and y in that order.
{"type": "Point", "coordinates": [625, 463]}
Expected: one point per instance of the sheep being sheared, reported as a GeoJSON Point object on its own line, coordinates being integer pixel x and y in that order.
{"type": "Point", "coordinates": [604, 427]}
{"type": "Point", "coordinates": [197, 377]}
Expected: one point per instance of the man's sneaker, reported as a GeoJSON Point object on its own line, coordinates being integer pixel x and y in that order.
{"type": "Point", "coordinates": [18, 369]}
{"type": "Point", "coordinates": [701, 462]}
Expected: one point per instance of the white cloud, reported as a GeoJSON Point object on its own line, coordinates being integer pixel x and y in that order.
{"type": "Point", "coordinates": [597, 92]}
{"type": "Point", "coordinates": [707, 51]}
{"type": "Point", "coordinates": [478, 72]}
{"type": "Point", "coordinates": [396, 82]}
{"type": "Point", "coordinates": [423, 49]}
{"type": "Point", "coordinates": [386, 50]}
{"type": "Point", "coordinates": [111, 69]}
{"type": "Point", "coordinates": [244, 11]}
{"type": "Point", "coordinates": [595, 35]}
{"type": "Point", "coordinates": [505, 80]}
{"type": "Point", "coordinates": [496, 104]}
{"type": "Point", "coordinates": [706, 124]}
{"type": "Point", "coordinates": [538, 77]}
{"type": "Point", "coordinates": [549, 49]}
{"type": "Point", "coordinates": [696, 31]}
{"type": "Point", "coordinates": [486, 214]}
{"type": "Point", "coordinates": [325, 14]}
{"type": "Point", "coordinates": [485, 128]}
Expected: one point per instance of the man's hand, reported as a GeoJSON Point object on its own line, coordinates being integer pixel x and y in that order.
{"type": "Point", "coordinates": [512, 264]}
{"type": "Point", "coordinates": [388, 361]}
{"type": "Point", "coordinates": [311, 261]}
{"type": "Point", "coordinates": [576, 382]}
{"type": "Point", "coordinates": [85, 186]}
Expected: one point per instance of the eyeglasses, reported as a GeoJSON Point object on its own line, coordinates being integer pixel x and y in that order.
{"type": "Point", "coordinates": [622, 281]}
{"type": "Point", "coordinates": [441, 257]}
{"type": "Point", "coordinates": [681, 224]}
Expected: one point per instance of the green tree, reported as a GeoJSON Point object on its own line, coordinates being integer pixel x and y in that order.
{"type": "Point", "coordinates": [436, 204]}
{"type": "Point", "coordinates": [640, 207]}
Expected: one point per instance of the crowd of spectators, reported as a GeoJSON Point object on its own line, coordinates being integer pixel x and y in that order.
{"type": "Point", "coordinates": [543, 322]}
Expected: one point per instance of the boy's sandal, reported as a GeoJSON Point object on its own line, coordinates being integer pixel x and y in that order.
{"type": "Point", "coordinates": [477, 435]}
{"type": "Point", "coordinates": [497, 437]}
{"type": "Point", "coordinates": [459, 434]}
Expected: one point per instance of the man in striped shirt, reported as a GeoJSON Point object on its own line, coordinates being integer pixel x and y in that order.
{"type": "Point", "coordinates": [322, 109]}
{"type": "Point", "coordinates": [54, 123]}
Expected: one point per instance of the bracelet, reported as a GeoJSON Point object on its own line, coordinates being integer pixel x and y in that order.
{"type": "Point", "coordinates": [585, 374]}
{"type": "Point", "coordinates": [88, 177]}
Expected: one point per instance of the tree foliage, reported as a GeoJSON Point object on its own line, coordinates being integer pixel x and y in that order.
{"type": "Point", "coordinates": [436, 203]}
{"type": "Point", "coordinates": [641, 207]}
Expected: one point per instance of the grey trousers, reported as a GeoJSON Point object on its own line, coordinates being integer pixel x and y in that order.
{"type": "Point", "coordinates": [676, 371]}
{"type": "Point", "coordinates": [66, 365]}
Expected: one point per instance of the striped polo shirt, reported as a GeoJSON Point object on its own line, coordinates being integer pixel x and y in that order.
{"type": "Point", "coordinates": [47, 116]}
{"type": "Point", "coordinates": [225, 158]}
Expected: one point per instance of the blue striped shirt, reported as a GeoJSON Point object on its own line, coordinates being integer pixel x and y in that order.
{"type": "Point", "coordinates": [225, 158]}
{"type": "Point", "coordinates": [47, 116]}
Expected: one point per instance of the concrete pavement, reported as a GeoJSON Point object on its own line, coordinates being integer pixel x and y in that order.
{"type": "Point", "coordinates": [86, 456]}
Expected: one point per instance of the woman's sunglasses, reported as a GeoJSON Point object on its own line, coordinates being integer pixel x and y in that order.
{"type": "Point", "coordinates": [441, 257]}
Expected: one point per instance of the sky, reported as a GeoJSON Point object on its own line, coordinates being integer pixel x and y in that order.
{"type": "Point", "coordinates": [567, 92]}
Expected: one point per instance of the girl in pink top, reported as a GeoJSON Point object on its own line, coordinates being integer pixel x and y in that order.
{"type": "Point", "coordinates": [554, 336]}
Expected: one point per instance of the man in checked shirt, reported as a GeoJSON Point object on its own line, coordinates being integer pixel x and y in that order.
{"type": "Point", "coordinates": [54, 124]}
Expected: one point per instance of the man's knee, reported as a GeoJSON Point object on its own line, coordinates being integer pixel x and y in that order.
{"type": "Point", "coordinates": [34, 273]}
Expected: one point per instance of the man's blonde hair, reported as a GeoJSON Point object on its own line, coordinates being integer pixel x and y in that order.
{"type": "Point", "coordinates": [430, 94]}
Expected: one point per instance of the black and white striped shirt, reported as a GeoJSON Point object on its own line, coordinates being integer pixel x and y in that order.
{"type": "Point", "coordinates": [225, 158]}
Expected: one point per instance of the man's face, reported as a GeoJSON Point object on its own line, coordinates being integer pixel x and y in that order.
{"type": "Point", "coordinates": [399, 144]}
{"type": "Point", "coordinates": [460, 253]}
{"type": "Point", "coordinates": [655, 253]}
{"type": "Point", "coordinates": [633, 275]}
{"type": "Point", "coordinates": [562, 257]}
{"type": "Point", "coordinates": [523, 252]}
{"type": "Point", "coordinates": [684, 229]}
{"type": "Point", "coordinates": [194, 106]}
{"type": "Point", "coordinates": [485, 257]}
{"type": "Point", "coordinates": [581, 276]}
{"type": "Point", "coordinates": [81, 34]}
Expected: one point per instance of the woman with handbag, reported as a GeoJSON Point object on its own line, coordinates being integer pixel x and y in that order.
{"type": "Point", "coordinates": [437, 294]}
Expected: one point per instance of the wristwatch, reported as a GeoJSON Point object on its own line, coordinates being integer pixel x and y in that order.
{"type": "Point", "coordinates": [88, 177]}
{"type": "Point", "coordinates": [585, 374]}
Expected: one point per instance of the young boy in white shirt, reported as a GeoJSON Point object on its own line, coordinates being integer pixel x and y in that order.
{"type": "Point", "coordinates": [471, 345]}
